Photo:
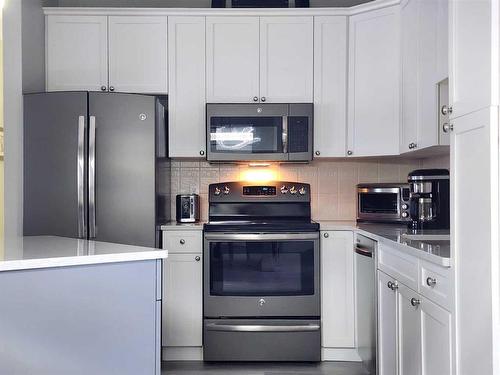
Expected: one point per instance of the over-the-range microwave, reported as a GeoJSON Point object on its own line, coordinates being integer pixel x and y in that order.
{"type": "Point", "coordinates": [259, 132]}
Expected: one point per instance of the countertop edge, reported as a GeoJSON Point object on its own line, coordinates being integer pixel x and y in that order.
{"type": "Point", "coordinates": [27, 264]}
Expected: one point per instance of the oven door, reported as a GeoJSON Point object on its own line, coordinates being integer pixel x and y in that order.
{"type": "Point", "coordinates": [247, 132]}
{"type": "Point", "coordinates": [379, 204]}
{"type": "Point", "coordinates": [261, 275]}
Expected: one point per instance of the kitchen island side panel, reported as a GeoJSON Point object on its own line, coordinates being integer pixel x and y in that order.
{"type": "Point", "coordinates": [92, 319]}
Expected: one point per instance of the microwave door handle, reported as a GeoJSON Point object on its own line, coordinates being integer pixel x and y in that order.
{"type": "Point", "coordinates": [285, 134]}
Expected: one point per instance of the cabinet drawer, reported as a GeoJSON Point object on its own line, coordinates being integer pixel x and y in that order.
{"type": "Point", "coordinates": [184, 241]}
{"type": "Point", "coordinates": [400, 266]}
{"type": "Point", "coordinates": [435, 283]}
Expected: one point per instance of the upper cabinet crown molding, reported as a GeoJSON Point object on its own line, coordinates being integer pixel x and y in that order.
{"type": "Point", "coordinates": [349, 11]}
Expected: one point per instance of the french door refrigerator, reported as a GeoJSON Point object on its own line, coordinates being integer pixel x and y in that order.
{"type": "Point", "coordinates": [95, 166]}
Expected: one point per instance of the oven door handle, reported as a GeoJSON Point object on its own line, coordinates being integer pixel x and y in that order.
{"type": "Point", "coordinates": [262, 328]}
{"type": "Point", "coordinates": [260, 236]}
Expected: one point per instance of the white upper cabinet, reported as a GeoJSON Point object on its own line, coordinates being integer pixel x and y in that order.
{"type": "Point", "coordinates": [266, 59]}
{"type": "Point", "coordinates": [374, 83]}
{"type": "Point", "coordinates": [337, 289]}
{"type": "Point", "coordinates": [286, 59]}
{"type": "Point", "coordinates": [473, 77]}
{"type": "Point", "coordinates": [330, 86]}
{"type": "Point", "coordinates": [138, 54]}
{"type": "Point", "coordinates": [186, 99]}
{"type": "Point", "coordinates": [76, 53]}
{"type": "Point", "coordinates": [232, 59]}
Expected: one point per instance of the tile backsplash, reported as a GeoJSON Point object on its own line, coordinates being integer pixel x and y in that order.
{"type": "Point", "coordinates": [333, 183]}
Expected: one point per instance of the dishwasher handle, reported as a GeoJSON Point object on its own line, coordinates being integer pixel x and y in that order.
{"type": "Point", "coordinates": [365, 251]}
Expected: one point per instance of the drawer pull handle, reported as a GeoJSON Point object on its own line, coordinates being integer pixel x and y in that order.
{"type": "Point", "coordinates": [182, 241]}
{"type": "Point", "coordinates": [431, 281]}
{"type": "Point", "coordinates": [197, 258]}
{"type": "Point", "coordinates": [415, 302]}
{"type": "Point", "coordinates": [326, 235]}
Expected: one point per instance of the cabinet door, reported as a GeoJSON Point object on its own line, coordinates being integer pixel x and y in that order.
{"type": "Point", "coordinates": [182, 300]}
{"type": "Point", "coordinates": [232, 59]}
{"type": "Point", "coordinates": [374, 83]}
{"type": "Point", "coordinates": [286, 59]}
{"type": "Point", "coordinates": [474, 225]}
{"type": "Point", "coordinates": [408, 332]}
{"type": "Point", "coordinates": [387, 326]}
{"type": "Point", "coordinates": [472, 47]}
{"type": "Point", "coordinates": [436, 339]}
{"type": "Point", "coordinates": [410, 78]}
{"type": "Point", "coordinates": [77, 53]}
{"type": "Point", "coordinates": [330, 86]}
{"type": "Point", "coordinates": [138, 54]}
{"type": "Point", "coordinates": [337, 289]}
{"type": "Point", "coordinates": [186, 93]}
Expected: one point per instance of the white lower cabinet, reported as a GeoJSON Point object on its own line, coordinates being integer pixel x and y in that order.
{"type": "Point", "coordinates": [182, 300]}
{"type": "Point", "coordinates": [414, 333]}
{"type": "Point", "coordinates": [337, 294]}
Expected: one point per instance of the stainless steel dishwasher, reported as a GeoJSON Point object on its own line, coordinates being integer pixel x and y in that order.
{"type": "Point", "coordinates": [366, 288]}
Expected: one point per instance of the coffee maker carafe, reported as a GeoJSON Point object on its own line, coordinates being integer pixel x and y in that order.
{"type": "Point", "coordinates": [429, 199]}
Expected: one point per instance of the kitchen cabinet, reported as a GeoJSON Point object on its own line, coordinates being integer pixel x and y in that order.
{"type": "Point", "coordinates": [408, 331]}
{"type": "Point", "coordinates": [101, 53]}
{"type": "Point", "coordinates": [387, 326]}
{"type": "Point", "coordinates": [473, 60]}
{"type": "Point", "coordinates": [330, 86]}
{"type": "Point", "coordinates": [182, 292]}
{"type": "Point", "coordinates": [138, 54]}
{"type": "Point", "coordinates": [424, 56]}
{"type": "Point", "coordinates": [337, 289]}
{"type": "Point", "coordinates": [259, 59]}
{"type": "Point", "coordinates": [186, 77]}
{"type": "Point", "coordinates": [232, 59]}
{"type": "Point", "coordinates": [374, 83]}
{"type": "Point", "coordinates": [76, 53]}
{"type": "Point", "coordinates": [286, 59]}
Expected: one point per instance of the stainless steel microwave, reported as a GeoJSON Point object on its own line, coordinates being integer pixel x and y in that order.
{"type": "Point", "coordinates": [384, 202]}
{"type": "Point", "coordinates": [259, 132]}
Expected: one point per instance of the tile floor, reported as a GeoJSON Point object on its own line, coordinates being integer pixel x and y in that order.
{"type": "Point", "coordinates": [323, 368]}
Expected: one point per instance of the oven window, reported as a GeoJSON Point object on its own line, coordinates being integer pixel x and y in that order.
{"type": "Point", "coordinates": [262, 268]}
{"type": "Point", "coordinates": [380, 203]}
{"type": "Point", "coordinates": [251, 135]}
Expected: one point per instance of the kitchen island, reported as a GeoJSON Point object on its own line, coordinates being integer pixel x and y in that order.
{"type": "Point", "coordinates": [70, 306]}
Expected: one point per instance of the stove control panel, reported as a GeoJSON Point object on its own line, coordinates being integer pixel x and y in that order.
{"type": "Point", "coordinates": [259, 190]}
{"type": "Point", "coordinates": [276, 191]}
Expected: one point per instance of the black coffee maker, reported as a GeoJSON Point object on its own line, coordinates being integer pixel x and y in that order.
{"type": "Point", "coordinates": [429, 199]}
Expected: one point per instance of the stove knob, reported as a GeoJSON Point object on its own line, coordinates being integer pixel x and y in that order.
{"type": "Point", "coordinates": [284, 189]}
{"type": "Point", "coordinates": [404, 206]}
{"type": "Point", "coordinates": [293, 190]}
{"type": "Point", "coordinates": [217, 191]}
{"type": "Point", "coordinates": [404, 214]}
{"type": "Point", "coordinates": [302, 190]}
{"type": "Point", "coordinates": [226, 190]}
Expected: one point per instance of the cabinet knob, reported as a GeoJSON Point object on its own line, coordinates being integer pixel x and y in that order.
{"type": "Point", "coordinates": [111, 88]}
{"type": "Point", "coordinates": [349, 152]}
{"type": "Point", "coordinates": [447, 127]}
{"type": "Point", "coordinates": [263, 99]}
{"type": "Point", "coordinates": [103, 88]}
{"type": "Point", "coordinates": [390, 284]}
{"type": "Point", "coordinates": [431, 281]}
{"type": "Point", "coordinates": [326, 235]}
{"type": "Point", "coordinates": [394, 286]}
{"type": "Point", "coordinates": [445, 110]}
{"type": "Point", "coordinates": [317, 153]}
{"type": "Point", "coordinates": [255, 98]}
{"type": "Point", "coordinates": [202, 152]}
{"type": "Point", "coordinates": [412, 145]}
{"type": "Point", "coordinates": [197, 258]}
{"type": "Point", "coordinates": [182, 241]}
{"type": "Point", "coordinates": [415, 302]}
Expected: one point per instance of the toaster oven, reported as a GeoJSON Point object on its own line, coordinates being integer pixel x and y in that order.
{"type": "Point", "coordinates": [384, 202]}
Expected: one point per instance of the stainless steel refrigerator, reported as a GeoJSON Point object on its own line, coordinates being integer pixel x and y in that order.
{"type": "Point", "coordinates": [95, 166]}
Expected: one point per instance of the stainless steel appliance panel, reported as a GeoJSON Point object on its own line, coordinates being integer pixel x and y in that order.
{"type": "Point", "coordinates": [261, 340]}
{"type": "Point", "coordinates": [290, 262]}
{"type": "Point", "coordinates": [124, 168]}
{"type": "Point", "coordinates": [365, 266]}
{"type": "Point", "coordinates": [55, 164]}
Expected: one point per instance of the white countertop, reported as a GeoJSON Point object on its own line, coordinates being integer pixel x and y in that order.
{"type": "Point", "coordinates": [173, 225]}
{"type": "Point", "coordinates": [51, 251]}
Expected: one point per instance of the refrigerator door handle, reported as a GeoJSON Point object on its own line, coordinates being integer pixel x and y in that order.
{"type": "Point", "coordinates": [92, 175]}
{"type": "Point", "coordinates": [82, 230]}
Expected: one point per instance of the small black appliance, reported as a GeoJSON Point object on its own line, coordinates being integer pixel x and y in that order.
{"type": "Point", "coordinates": [187, 208]}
